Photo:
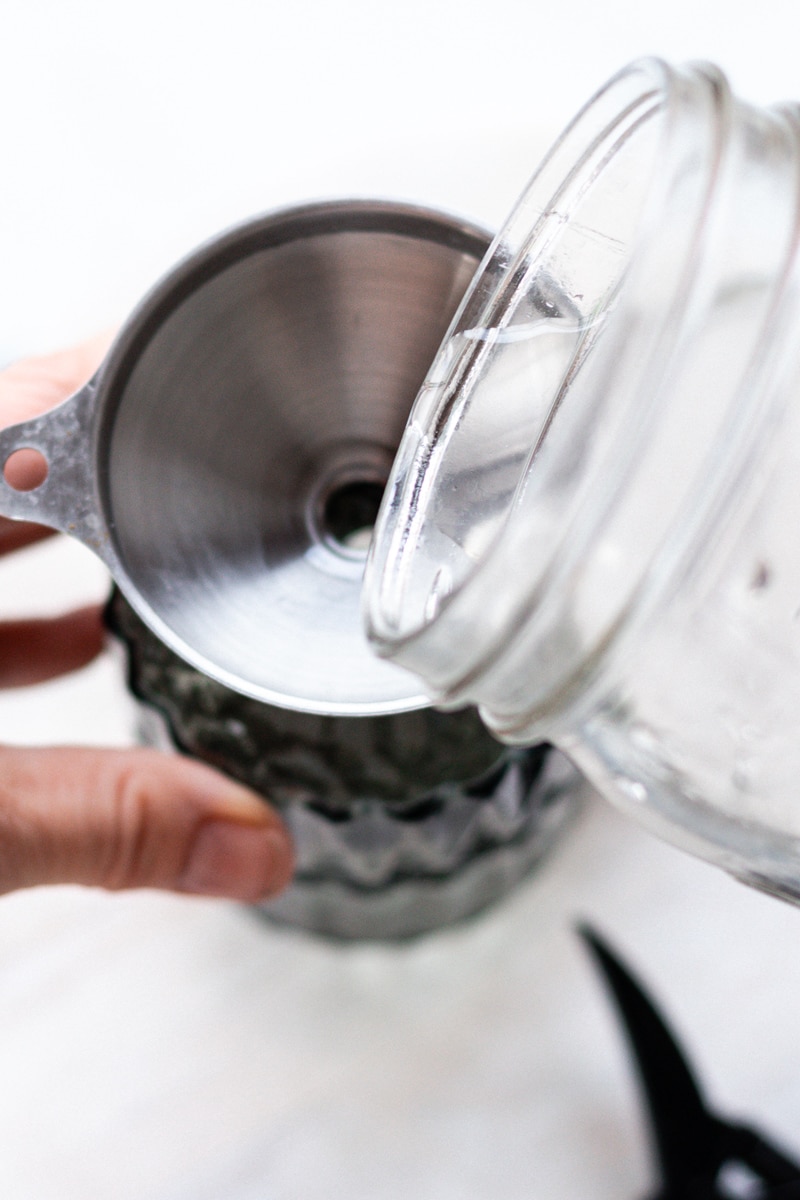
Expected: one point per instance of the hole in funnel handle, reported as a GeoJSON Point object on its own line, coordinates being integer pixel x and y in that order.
{"type": "Point", "coordinates": [25, 469]}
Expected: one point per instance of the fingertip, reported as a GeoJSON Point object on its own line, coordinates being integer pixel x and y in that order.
{"type": "Point", "coordinates": [239, 862]}
{"type": "Point", "coordinates": [35, 650]}
{"type": "Point", "coordinates": [242, 849]}
{"type": "Point", "coordinates": [87, 628]}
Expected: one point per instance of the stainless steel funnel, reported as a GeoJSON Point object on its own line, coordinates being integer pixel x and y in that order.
{"type": "Point", "coordinates": [227, 460]}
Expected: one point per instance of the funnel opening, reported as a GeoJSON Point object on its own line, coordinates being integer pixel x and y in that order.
{"type": "Point", "coordinates": [350, 512]}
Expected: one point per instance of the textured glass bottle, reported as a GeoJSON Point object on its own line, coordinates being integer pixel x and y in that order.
{"type": "Point", "coordinates": [257, 424]}
{"type": "Point", "coordinates": [591, 530]}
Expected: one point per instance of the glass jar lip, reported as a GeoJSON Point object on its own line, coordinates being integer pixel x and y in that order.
{"type": "Point", "coordinates": [645, 80]}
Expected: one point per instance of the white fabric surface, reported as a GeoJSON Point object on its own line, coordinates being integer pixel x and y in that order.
{"type": "Point", "coordinates": [159, 1048]}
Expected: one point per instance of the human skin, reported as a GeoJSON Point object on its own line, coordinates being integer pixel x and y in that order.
{"type": "Point", "coordinates": [114, 819]}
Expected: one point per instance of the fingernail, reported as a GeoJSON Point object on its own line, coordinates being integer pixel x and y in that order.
{"type": "Point", "coordinates": [226, 801]}
{"type": "Point", "coordinates": [241, 862]}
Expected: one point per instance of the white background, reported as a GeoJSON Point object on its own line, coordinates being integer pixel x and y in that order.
{"type": "Point", "coordinates": [157, 1048]}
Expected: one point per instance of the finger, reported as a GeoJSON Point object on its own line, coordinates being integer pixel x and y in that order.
{"type": "Point", "coordinates": [33, 385]}
{"type": "Point", "coordinates": [135, 818]}
{"type": "Point", "coordinates": [32, 651]}
{"type": "Point", "coordinates": [16, 534]}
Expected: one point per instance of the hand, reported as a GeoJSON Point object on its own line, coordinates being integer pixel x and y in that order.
{"type": "Point", "coordinates": [111, 818]}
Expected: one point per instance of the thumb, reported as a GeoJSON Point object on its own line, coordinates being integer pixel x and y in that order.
{"type": "Point", "coordinates": [135, 818]}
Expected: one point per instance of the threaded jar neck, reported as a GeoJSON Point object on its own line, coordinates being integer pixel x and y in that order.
{"type": "Point", "coordinates": [582, 430]}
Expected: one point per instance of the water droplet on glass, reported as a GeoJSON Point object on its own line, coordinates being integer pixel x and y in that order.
{"type": "Point", "coordinates": [631, 789]}
{"type": "Point", "coordinates": [440, 589]}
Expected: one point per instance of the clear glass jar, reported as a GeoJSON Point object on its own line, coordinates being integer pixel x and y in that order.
{"type": "Point", "coordinates": [592, 529]}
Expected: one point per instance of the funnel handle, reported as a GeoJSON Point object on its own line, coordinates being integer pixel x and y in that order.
{"type": "Point", "coordinates": [67, 499]}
